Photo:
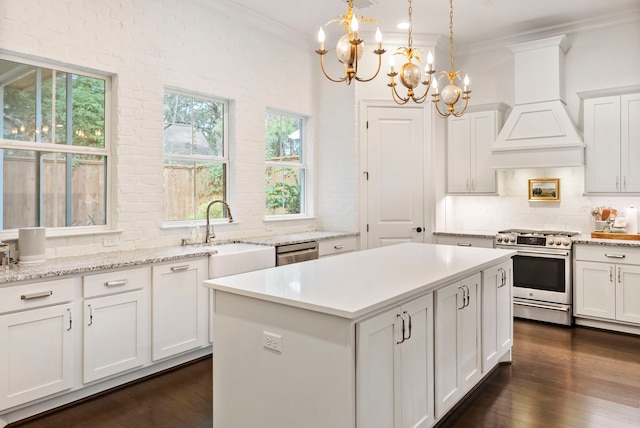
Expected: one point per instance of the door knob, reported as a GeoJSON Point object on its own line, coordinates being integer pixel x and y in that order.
{"type": "Point", "coordinates": [417, 229]}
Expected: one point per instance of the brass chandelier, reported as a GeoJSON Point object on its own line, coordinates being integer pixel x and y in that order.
{"type": "Point", "coordinates": [452, 92]}
{"type": "Point", "coordinates": [350, 47]}
{"type": "Point", "coordinates": [410, 74]}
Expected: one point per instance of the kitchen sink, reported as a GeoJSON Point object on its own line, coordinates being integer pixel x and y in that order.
{"type": "Point", "coordinates": [239, 257]}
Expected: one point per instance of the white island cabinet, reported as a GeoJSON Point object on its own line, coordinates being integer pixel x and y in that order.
{"type": "Point", "coordinates": [346, 341]}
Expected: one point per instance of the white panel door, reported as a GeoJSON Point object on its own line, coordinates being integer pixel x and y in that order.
{"type": "Point", "coordinates": [628, 294]}
{"type": "Point", "coordinates": [595, 290]}
{"type": "Point", "coordinates": [602, 139]}
{"type": "Point", "coordinates": [395, 169]}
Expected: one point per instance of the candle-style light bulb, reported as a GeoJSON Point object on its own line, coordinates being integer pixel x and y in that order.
{"type": "Point", "coordinates": [435, 86]}
{"type": "Point", "coordinates": [321, 38]}
{"type": "Point", "coordinates": [379, 38]}
{"type": "Point", "coordinates": [466, 82]}
{"type": "Point", "coordinates": [429, 61]}
{"type": "Point", "coordinates": [392, 64]}
{"type": "Point", "coordinates": [354, 24]}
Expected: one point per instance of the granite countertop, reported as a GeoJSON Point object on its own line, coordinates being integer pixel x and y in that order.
{"type": "Point", "coordinates": [474, 234]}
{"type": "Point", "coordinates": [124, 259]}
{"type": "Point", "coordinates": [588, 240]}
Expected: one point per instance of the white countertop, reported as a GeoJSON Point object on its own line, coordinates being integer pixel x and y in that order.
{"type": "Point", "coordinates": [354, 284]}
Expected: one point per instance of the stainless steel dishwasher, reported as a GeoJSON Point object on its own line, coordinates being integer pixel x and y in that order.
{"type": "Point", "coordinates": [295, 253]}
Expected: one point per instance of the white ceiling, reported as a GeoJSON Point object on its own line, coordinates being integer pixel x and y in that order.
{"type": "Point", "coordinates": [475, 21]}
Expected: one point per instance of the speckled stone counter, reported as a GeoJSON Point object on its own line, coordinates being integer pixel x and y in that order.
{"type": "Point", "coordinates": [470, 234]}
{"type": "Point", "coordinates": [588, 240]}
{"type": "Point", "coordinates": [123, 259]}
{"type": "Point", "coordinates": [295, 238]}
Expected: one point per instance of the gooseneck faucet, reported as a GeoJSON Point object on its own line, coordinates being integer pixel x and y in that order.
{"type": "Point", "coordinates": [209, 234]}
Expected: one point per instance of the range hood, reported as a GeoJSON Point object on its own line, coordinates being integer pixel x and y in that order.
{"type": "Point", "coordinates": [539, 131]}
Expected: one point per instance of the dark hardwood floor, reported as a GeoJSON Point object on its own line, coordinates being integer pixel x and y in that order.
{"type": "Point", "coordinates": [560, 377]}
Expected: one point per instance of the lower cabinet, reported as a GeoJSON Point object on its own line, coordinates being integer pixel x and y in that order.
{"type": "Point", "coordinates": [457, 341]}
{"type": "Point", "coordinates": [395, 367]}
{"type": "Point", "coordinates": [179, 308]}
{"type": "Point", "coordinates": [608, 291]}
{"type": "Point", "coordinates": [37, 341]}
{"type": "Point", "coordinates": [497, 314]}
{"type": "Point", "coordinates": [116, 322]}
{"type": "Point", "coordinates": [331, 247]}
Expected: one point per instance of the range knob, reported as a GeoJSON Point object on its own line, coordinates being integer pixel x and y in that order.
{"type": "Point", "coordinates": [499, 239]}
{"type": "Point", "coordinates": [550, 241]}
{"type": "Point", "coordinates": [566, 242]}
{"type": "Point", "coordinates": [512, 239]}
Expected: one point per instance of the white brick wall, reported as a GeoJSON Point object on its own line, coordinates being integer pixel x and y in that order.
{"type": "Point", "coordinates": [149, 45]}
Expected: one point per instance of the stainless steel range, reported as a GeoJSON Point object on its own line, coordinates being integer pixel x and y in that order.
{"type": "Point", "coordinates": [542, 272]}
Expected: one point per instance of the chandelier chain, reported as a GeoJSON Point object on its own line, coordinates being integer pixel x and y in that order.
{"type": "Point", "coordinates": [410, 25]}
{"type": "Point", "coordinates": [451, 34]}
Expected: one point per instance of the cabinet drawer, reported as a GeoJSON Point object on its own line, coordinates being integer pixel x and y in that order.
{"type": "Point", "coordinates": [608, 254]}
{"type": "Point", "coordinates": [116, 282]}
{"type": "Point", "coordinates": [336, 246]}
{"type": "Point", "coordinates": [36, 294]}
{"type": "Point", "coordinates": [465, 241]}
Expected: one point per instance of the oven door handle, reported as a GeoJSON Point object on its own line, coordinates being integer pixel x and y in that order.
{"type": "Point", "coordinates": [543, 253]}
{"type": "Point", "coordinates": [541, 306]}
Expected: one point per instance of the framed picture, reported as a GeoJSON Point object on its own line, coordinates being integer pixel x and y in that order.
{"type": "Point", "coordinates": [544, 189]}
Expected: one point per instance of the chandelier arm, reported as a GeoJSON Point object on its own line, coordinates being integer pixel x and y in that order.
{"type": "Point", "coordinates": [344, 79]}
{"type": "Point", "coordinates": [435, 102]}
{"type": "Point", "coordinates": [377, 71]}
{"type": "Point", "coordinates": [397, 98]}
{"type": "Point", "coordinates": [459, 114]}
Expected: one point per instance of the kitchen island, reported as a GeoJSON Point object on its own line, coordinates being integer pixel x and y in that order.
{"type": "Point", "coordinates": [378, 338]}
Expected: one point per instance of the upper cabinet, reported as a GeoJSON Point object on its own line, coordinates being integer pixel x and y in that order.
{"type": "Point", "coordinates": [469, 140]}
{"type": "Point", "coordinates": [611, 136]}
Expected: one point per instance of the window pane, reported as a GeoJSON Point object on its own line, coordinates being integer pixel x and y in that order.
{"type": "Point", "coordinates": [189, 186]}
{"type": "Point", "coordinates": [284, 191]}
{"type": "Point", "coordinates": [37, 191]}
{"type": "Point", "coordinates": [193, 126]}
{"type": "Point", "coordinates": [36, 107]}
{"type": "Point", "coordinates": [284, 138]}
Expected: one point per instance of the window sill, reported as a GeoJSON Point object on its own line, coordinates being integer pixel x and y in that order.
{"type": "Point", "coordinates": [281, 218]}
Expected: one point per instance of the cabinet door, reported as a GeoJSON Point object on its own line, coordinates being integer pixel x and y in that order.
{"type": "Point", "coordinates": [629, 138]}
{"type": "Point", "coordinates": [497, 314]}
{"type": "Point", "coordinates": [602, 140]}
{"type": "Point", "coordinates": [628, 293]}
{"type": "Point", "coordinates": [179, 308]}
{"type": "Point", "coordinates": [417, 380]}
{"type": "Point", "coordinates": [36, 357]}
{"type": "Point", "coordinates": [116, 334]}
{"type": "Point", "coordinates": [459, 155]}
{"type": "Point", "coordinates": [447, 331]}
{"type": "Point", "coordinates": [483, 135]}
{"type": "Point", "coordinates": [457, 341]}
{"type": "Point", "coordinates": [470, 347]}
{"type": "Point", "coordinates": [595, 289]}
{"type": "Point", "coordinates": [395, 367]}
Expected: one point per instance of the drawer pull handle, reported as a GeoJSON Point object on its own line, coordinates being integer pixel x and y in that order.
{"type": "Point", "coordinates": [615, 256]}
{"type": "Point", "coordinates": [463, 244]}
{"type": "Point", "coordinates": [179, 268]}
{"type": "Point", "coordinates": [338, 247]}
{"type": "Point", "coordinates": [36, 295]}
{"type": "Point", "coordinates": [117, 283]}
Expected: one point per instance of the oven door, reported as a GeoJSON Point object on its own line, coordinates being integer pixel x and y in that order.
{"type": "Point", "coordinates": [543, 275]}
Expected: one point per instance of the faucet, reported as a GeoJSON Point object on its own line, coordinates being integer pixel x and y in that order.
{"type": "Point", "coordinates": [209, 235]}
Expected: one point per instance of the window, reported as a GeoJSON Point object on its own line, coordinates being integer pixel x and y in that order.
{"type": "Point", "coordinates": [53, 147]}
{"type": "Point", "coordinates": [195, 157]}
{"type": "Point", "coordinates": [285, 169]}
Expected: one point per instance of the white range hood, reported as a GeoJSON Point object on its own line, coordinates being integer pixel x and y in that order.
{"type": "Point", "coordinates": [539, 132]}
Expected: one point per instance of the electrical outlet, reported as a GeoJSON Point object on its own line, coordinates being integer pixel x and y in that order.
{"type": "Point", "coordinates": [272, 341]}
